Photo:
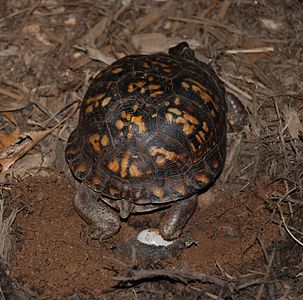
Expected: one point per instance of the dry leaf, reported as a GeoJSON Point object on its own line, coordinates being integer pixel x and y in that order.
{"type": "Point", "coordinates": [271, 24]}
{"type": "Point", "coordinates": [150, 42]}
{"type": "Point", "coordinates": [155, 15]}
{"type": "Point", "coordinates": [8, 139]}
{"type": "Point", "coordinates": [19, 100]}
{"type": "Point", "coordinates": [293, 123]}
{"type": "Point", "coordinates": [95, 54]}
{"type": "Point", "coordinates": [147, 43]}
{"type": "Point", "coordinates": [24, 144]}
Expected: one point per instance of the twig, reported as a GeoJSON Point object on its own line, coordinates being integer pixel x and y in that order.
{"type": "Point", "coordinates": [261, 289]}
{"type": "Point", "coordinates": [286, 227]}
{"type": "Point", "coordinates": [204, 21]}
{"type": "Point", "coordinates": [130, 275]}
{"type": "Point", "coordinates": [252, 50]}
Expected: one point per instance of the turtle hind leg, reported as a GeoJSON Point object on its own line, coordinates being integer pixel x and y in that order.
{"type": "Point", "coordinates": [176, 218]}
{"type": "Point", "coordinates": [103, 221]}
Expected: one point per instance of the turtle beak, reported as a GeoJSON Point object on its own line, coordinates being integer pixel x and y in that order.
{"type": "Point", "coordinates": [125, 208]}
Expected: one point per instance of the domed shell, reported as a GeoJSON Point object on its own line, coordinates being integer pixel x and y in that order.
{"type": "Point", "coordinates": [152, 129]}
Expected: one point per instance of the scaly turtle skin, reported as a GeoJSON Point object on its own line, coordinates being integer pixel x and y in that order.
{"type": "Point", "coordinates": [151, 134]}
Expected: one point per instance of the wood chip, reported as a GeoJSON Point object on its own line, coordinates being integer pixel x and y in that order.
{"type": "Point", "coordinates": [95, 32]}
{"type": "Point", "coordinates": [150, 42]}
{"type": "Point", "coordinates": [293, 123]}
{"type": "Point", "coordinates": [154, 16]}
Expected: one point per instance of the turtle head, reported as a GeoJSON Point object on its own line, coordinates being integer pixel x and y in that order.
{"type": "Point", "coordinates": [182, 50]}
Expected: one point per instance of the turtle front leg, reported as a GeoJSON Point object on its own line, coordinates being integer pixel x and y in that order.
{"type": "Point", "coordinates": [176, 218]}
{"type": "Point", "coordinates": [103, 220]}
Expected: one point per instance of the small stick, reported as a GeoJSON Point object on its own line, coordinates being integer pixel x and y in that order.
{"type": "Point", "coordinates": [261, 289]}
{"type": "Point", "coordinates": [252, 50]}
{"type": "Point", "coordinates": [130, 275]}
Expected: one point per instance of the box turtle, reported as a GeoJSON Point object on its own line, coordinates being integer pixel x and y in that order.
{"type": "Point", "coordinates": [151, 134]}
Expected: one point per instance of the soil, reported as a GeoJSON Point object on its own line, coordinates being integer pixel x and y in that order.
{"type": "Point", "coordinates": [54, 261]}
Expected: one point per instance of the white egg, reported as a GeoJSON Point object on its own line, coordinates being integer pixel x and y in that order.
{"type": "Point", "coordinates": [151, 236]}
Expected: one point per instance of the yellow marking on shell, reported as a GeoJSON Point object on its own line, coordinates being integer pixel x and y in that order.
{"type": "Point", "coordinates": [199, 139]}
{"type": "Point", "coordinates": [153, 150]}
{"type": "Point", "coordinates": [154, 86]}
{"type": "Point", "coordinates": [177, 101]}
{"type": "Point", "coordinates": [205, 126]}
{"type": "Point", "coordinates": [202, 135]}
{"type": "Point", "coordinates": [215, 164]}
{"type": "Point", "coordinates": [180, 188]}
{"type": "Point", "coordinates": [96, 180]}
{"type": "Point", "coordinates": [166, 103]}
{"type": "Point", "coordinates": [202, 90]}
{"type": "Point", "coordinates": [89, 109]}
{"type": "Point", "coordinates": [130, 134]}
{"type": "Point", "coordinates": [119, 124]}
{"type": "Point", "coordinates": [169, 117]}
{"type": "Point", "coordinates": [191, 118]}
{"type": "Point", "coordinates": [95, 98]}
{"type": "Point", "coordinates": [160, 64]}
{"type": "Point", "coordinates": [155, 94]}
{"type": "Point", "coordinates": [131, 86]}
{"type": "Point", "coordinates": [204, 96]}
{"type": "Point", "coordinates": [143, 90]}
{"type": "Point", "coordinates": [213, 113]}
{"type": "Point", "coordinates": [124, 164]}
{"type": "Point", "coordinates": [158, 192]}
{"type": "Point", "coordinates": [167, 70]}
{"type": "Point", "coordinates": [197, 83]}
{"type": "Point", "coordinates": [117, 70]}
{"type": "Point", "coordinates": [180, 120]}
{"type": "Point", "coordinates": [193, 147]}
{"type": "Point", "coordinates": [202, 178]}
{"type": "Point", "coordinates": [189, 121]}
{"type": "Point", "coordinates": [160, 161]}
{"type": "Point", "coordinates": [135, 107]}
{"type": "Point", "coordinates": [138, 121]}
{"type": "Point", "coordinates": [188, 128]}
{"type": "Point", "coordinates": [126, 115]}
{"type": "Point", "coordinates": [94, 140]}
{"type": "Point", "coordinates": [134, 171]}
{"type": "Point", "coordinates": [104, 140]}
{"type": "Point", "coordinates": [185, 85]}
{"type": "Point", "coordinates": [105, 101]}
{"type": "Point", "coordinates": [145, 65]}
{"type": "Point", "coordinates": [81, 168]}
{"type": "Point", "coordinates": [113, 165]}
{"type": "Point", "coordinates": [167, 155]}
{"type": "Point", "coordinates": [175, 111]}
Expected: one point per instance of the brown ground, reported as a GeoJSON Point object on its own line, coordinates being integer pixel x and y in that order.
{"type": "Point", "coordinates": [54, 262]}
{"type": "Point", "coordinates": [248, 227]}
